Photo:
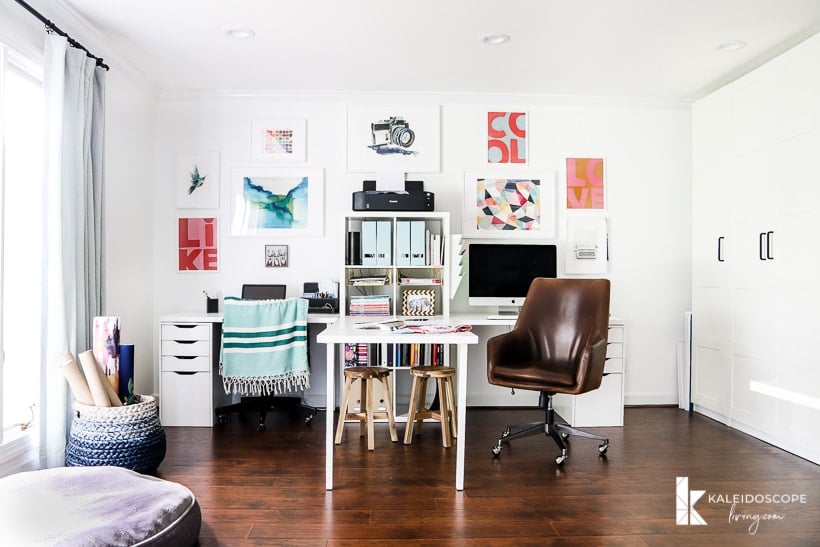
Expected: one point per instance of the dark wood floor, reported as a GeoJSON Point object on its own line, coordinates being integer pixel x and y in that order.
{"type": "Point", "coordinates": [268, 488]}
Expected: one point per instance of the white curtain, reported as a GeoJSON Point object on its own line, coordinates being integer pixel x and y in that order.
{"type": "Point", "coordinates": [74, 290]}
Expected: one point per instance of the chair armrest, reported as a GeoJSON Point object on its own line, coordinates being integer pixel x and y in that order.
{"type": "Point", "coordinates": [590, 370]}
{"type": "Point", "coordinates": [504, 349]}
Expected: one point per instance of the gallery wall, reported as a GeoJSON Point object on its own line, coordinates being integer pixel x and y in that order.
{"type": "Point", "coordinates": [645, 147]}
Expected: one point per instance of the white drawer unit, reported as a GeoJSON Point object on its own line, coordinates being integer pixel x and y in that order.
{"type": "Point", "coordinates": [188, 356]}
{"type": "Point", "coordinates": [605, 405]}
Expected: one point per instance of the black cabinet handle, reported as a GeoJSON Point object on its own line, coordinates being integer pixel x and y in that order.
{"type": "Point", "coordinates": [720, 249]}
{"type": "Point", "coordinates": [760, 237]}
{"type": "Point", "coordinates": [769, 254]}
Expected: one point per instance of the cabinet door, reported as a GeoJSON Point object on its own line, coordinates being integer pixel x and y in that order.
{"type": "Point", "coordinates": [713, 250]}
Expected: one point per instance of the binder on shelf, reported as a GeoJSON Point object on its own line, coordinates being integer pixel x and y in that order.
{"type": "Point", "coordinates": [402, 243]}
{"type": "Point", "coordinates": [354, 249]}
{"type": "Point", "coordinates": [369, 242]}
{"type": "Point", "coordinates": [418, 243]}
{"type": "Point", "coordinates": [384, 243]}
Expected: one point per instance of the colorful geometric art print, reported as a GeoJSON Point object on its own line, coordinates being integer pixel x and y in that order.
{"type": "Point", "coordinates": [277, 142]}
{"type": "Point", "coordinates": [585, 183]}
{"type": "Point", "coordinates": [508, 204]}
{"type": "Point", "coordinates": [507, 137]}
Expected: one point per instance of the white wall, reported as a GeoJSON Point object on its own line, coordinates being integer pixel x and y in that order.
{"type": "Point", "coordinates": [647, 153]}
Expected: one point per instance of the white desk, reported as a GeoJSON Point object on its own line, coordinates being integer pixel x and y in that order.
{"type": "Point", "coordinates": [189, 383]}
{"type": "Point", "coordinates": [344, 330]}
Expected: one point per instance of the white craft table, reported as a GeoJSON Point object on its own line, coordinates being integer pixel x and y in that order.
{"type": "Point", "coordinates": [344, 330]}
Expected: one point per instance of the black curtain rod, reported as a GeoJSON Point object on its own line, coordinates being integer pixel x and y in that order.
{"type": "Point", "coordinates": [51, 27]}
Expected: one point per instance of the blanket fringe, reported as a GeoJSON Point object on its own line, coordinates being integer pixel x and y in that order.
{"type": "Point", "coordinates": [265, 385]}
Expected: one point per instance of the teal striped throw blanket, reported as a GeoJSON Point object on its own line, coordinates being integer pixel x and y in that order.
{"type": "Point", "coordinates": [264, 346]}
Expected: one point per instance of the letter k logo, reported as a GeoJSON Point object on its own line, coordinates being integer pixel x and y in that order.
{"type": "Point", "coordinates": [685, 501]}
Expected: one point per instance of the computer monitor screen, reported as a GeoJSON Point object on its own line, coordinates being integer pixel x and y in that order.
{"type": "Point", "coordinates": [500, 273]}
{"type": "Point", "coordinates": [263, 292]}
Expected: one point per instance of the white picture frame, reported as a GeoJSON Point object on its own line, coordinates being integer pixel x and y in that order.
{"type": "Point", "coordinates": [281, 140]}
{"type": "Point", "coordinates": [402, 138]}
{"type": "Point", "coordinates": [509, 204]}
{"type": "Point", "coordinates": [277, 202]}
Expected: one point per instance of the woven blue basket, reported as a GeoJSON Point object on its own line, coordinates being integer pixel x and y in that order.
{"type": "Point", "coordinates": [128, 436]}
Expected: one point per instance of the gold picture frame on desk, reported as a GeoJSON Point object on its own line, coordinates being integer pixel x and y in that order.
{"type": "Point", "coordinates": [418, 302]}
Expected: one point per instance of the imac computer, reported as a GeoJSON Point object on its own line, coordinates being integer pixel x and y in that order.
{"type": "Point", "coordinates": [500, 273]}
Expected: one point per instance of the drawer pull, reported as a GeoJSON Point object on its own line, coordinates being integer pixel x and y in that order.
{"type": "Point", "coordinates": [181, 326]}
{"type": "Point", "coordinates": [184, 356]}
{"type": "Point", "coordinates": [185, 373]}
{"type": "Point", "coordinates": [186, 341]}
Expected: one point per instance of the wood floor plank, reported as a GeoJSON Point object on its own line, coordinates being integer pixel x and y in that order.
{"type": "Point", "coordinates": [268, 488]}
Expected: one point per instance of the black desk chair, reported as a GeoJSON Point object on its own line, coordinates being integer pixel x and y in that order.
{"type": "Point", "coordinates": [264, 403]}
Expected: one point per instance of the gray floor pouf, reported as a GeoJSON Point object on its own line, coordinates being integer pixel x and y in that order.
{"type": "Point", "coordinates": [96, 506]}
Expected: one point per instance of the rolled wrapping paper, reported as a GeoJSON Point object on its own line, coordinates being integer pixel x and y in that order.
{"type": "Point", "coordinates": [101, 390]}
{"type": "Point", "coordinates": [76, 380]}
{"type": "Point", "coordinates": [126, 369]}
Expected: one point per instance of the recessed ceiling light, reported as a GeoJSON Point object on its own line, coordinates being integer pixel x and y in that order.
{"type": "Point", "coordinates": [495, 38]}
{"type": "Point", "coordinates": [731, 45]}
{"type": "Point", "coordinates": [240, 33]}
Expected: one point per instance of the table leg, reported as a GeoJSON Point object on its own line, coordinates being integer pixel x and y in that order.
{"type": "Point", "coordinates": [461, 409]}
{"type": "Point", "coordinates": [330, 404]}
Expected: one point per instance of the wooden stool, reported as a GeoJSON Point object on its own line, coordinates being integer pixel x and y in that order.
{"type": "Point", "coordinates": [447, 405]}
{"type": "Point", "coordinates": [367, 408]}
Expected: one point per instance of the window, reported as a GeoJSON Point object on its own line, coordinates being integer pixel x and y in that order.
{"type": "Point", "coordinates": [21, 262]}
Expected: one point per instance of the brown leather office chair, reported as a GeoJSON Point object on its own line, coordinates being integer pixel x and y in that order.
{"type": "Point", "coordinates": [558, 345]}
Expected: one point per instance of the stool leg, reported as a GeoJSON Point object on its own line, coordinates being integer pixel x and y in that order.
{"type": "Point", "coordinates": [343, 410]}
{"type": "Point", "coordinates": [451, 402]}
{"type": "Point", "coordinates": [363, 406]}
{"type": "Point", "coordinates": [422, 405]}
{"type": "Point", "coordinates": [388, 401]}
{"type": "Point", "coordinates": [411, 411]}
{"type": "Point", "coordinates": [371, 408]}
{"type": "Point", "coordinates": [444, 412]}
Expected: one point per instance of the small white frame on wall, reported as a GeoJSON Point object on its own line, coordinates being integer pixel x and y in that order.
{"type": "Point", "coordinates": [279, 140]}
{"type": "Point", "coordinates": [509, 204]}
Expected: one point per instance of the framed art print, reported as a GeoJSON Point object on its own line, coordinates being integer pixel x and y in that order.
{"type": "Point", "coordinates": [279, 140]}
{"type": "Point", "coordinates": [393, 138]}
{"type": "Point", "coordinates": [198, 248]}
{"type": "Point", "coordinates": [418, 302]}
{"type": "Point", "coordinates": [276, 256]}
{"type": "Point", "coordinates": [277, 202]}
{"type": "Point", "coordinates": [509, 205]}
{"type": "Point", "coordinates": [585, 184]}
{"type": "Point", "coordinates": [507, 138]}
{"type": "Point", "coordinates": [196, 181]}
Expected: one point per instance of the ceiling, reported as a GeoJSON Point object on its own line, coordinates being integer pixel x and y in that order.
{"type": "Point", "coordinates": [638, 49]}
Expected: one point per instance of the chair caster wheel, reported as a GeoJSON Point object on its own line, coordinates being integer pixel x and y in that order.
{"type": "Point", "coordinates": [260, 428]}
{"type": "Point", "coordinates": [309, 419]}
{"type": "Point", "coordinates": [603, 448]}
{"type": "Point", "coordinates": [221, 419]}
{"type": "Point", "coordinates": [565, 436]}
{"type": "Point", "coordinates": [505, 433]}
{"type": "Point", "coordinates": [496, 451]}
{"type": "Point", "coordinates": [560, 459]}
